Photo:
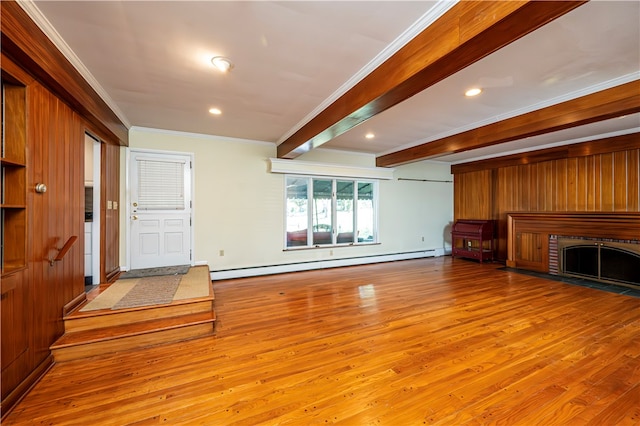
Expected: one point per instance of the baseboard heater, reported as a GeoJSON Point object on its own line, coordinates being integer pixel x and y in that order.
{"type": "Point", "coordinates": [322, 264]}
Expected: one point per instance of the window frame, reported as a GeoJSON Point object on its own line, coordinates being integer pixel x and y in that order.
{"type": "Point", "coordinates": [334, 212]}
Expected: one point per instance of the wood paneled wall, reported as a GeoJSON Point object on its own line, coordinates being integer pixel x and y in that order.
{"type": "Point", "coordinates": [55, 157]}
{"type": "Point", "coordinates": [110, 244]}
{"type": "Point", "coordinates": [600, 182]}
{"type": "Point", "coordinates": [61, 107]}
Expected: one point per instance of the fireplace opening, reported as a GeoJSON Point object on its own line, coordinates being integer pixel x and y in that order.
{"type": "Point", "coordinates": [607, 261]}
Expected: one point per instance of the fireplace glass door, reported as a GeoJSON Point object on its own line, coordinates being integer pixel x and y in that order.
{"type": "Point", "coordinates": [603, 261]}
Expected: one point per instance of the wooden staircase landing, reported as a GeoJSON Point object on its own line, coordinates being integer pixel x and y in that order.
{"type": "Point", "coordinates": [106, 331]}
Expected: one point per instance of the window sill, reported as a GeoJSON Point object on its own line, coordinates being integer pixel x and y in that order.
{"type": "Point", "coordinates": [329, 246]}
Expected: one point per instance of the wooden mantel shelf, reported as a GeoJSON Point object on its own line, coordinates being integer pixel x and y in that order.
{"type": "Point", "coordinates": [528, 233]}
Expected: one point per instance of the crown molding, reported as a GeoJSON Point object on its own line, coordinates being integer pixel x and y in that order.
{"type": "Point", "coordinates": [432, 15]}
{"type": "Point", "coordinates": [47, 28]}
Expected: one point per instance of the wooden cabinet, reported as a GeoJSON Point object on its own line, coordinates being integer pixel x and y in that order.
{"type": "Point", "coordinates": [532, 251]}
{"type": "Point", "coordinates": [529, 233]}
{"type": "Point", "coordinates": [15, 308]}
{"type": "Point", "coordinates": [14, 178]}
{"type": "Point", "coordinates": [473, 239]}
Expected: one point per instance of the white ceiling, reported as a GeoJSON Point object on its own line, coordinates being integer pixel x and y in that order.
{"type": "Point", "coordinates": [150, 60]}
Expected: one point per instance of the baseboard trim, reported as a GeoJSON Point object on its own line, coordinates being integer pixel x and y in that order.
{"type": "Point", "coordinates": [73, 304]}
{"type": "Point", "coordinates": [321, 264]}
{"type": "Point", "coordinates": [11, 400]}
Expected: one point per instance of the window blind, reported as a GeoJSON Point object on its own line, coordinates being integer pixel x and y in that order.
{"type": "Point", "coordinates": [160, 185]}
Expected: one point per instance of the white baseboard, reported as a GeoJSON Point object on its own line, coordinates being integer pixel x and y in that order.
{"type": "Point", "coordinates": [307, 266]}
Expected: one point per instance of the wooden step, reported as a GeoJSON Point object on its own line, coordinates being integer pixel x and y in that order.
{"type": "Point", "coordinates": [107, 340]}
{"type": "Point", "coordinates": [92, 320]}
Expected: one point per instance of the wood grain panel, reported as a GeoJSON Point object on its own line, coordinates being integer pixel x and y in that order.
{"type": "Point", "coordinates": [606, 182]}
{"type": "Point", "coordinates": [573, 184]}
{"type": "Point", "coordinates": [110, 225]}
{"type": "Point", "coordinates": [620, 181]}
{"type": "Point", "coordinates": [563, 184]}
{"type": "Point", "coordinates": [593, 182]}
{"type": "Point", "coordinates": [529, 247]}
{"type": "Point", "coordinates": [582, 184]}
{"type": "Point", "coordinates": [633, 179]}
{"type": "Point", "coordinates": [427, 341]}
{"type": "Point", "coordinates": [55, 146]}
{"type": "Point", "coordinates": [600, 182]}
{"type": "Point", "coordinates": [15, 356]}
{"type": "Point", "coordinates": [473, 201]}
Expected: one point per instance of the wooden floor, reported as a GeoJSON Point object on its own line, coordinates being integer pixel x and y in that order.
{"type": "Point", "coordinates": [429, 341]}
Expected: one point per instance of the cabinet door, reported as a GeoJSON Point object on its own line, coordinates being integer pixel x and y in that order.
{"type": "Point", "coordinates": [532, 251]}
{"type": "Point", "coordinates": [14, 312]}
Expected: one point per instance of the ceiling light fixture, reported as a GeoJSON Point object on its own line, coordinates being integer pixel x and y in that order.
{"type": "Point", "coordinates": [215, 111]}
{"type": "Point", "coordinates": [369, 135]}
{"type": "Point", "coordinates": [222, 63]}
{"type": "Point", "coordinates": [473, 92]}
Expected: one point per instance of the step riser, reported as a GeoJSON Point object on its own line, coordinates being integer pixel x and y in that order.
{"type": "Point", "coordinates": [87, 350]}
{"type": "Point", "coordinates": [116, 318]}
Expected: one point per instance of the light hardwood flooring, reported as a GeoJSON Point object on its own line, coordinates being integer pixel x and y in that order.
{"type": "Point", "coordinates": [429, 341]}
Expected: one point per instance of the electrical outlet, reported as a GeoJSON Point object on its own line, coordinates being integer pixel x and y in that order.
{"type": "Point", "coordinates": [221, 252]}
{"type": "Point", "coordinates": [330, 252]}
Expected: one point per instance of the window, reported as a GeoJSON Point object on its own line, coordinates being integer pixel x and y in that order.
{"type": "Point", "coordinates": [160, 185]}
{"type": "Point", "coordinates": [326, 212]}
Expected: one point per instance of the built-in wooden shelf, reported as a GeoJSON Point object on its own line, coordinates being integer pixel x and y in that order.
{"type": "Point", "coordinates": [13, 187]}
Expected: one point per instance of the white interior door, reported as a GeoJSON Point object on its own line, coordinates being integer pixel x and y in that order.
{"type": "Point", "coordinates": [160, 209]}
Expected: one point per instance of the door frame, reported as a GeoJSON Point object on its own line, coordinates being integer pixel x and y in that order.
{"type": "Point", "coordinates": [96, 235]}
{"type": "Point", "coordinates": [128, 213]}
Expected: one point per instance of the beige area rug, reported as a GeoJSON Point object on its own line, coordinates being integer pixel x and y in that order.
{"type": "Point", "coordinates": [134, 292]}
{"type": "Point", "coordinates": [149, 291]}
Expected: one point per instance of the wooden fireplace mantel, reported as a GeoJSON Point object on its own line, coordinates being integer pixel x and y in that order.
{"type": "Point", "coordinates": [528, 233]}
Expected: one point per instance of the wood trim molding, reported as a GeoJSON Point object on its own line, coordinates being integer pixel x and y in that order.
{"type": "Point", "coordinates": [603, 105]}
{"type": "Point", "coordinates": [598, 146]}
{"type": "Point", "coordinates": [16, 395]}
{"type": "Point", "coordinates": [113, 275]}
{"type": "Point", "coordinates": [73, 304]}
{"type": "Point", "coordinates": [31, 49]}
{"type": "Point", "coordinates": [466, 33]}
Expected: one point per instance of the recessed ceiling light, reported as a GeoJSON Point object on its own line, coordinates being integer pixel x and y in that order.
{"type": "Point", "coordinates": [222, 63]}
{"type": "Point", "coordinates": [369, 135]}
{"type": "Point", "coordinates": [215, 111]}
{"type": "Point", "coordinates": [475, 91]}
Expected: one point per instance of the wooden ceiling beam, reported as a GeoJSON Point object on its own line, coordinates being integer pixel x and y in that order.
{"type": "Point", "coordinates": [609, 103]}
{"type": "Point", "coordinates": [598, 146]}
{"type": "Point", "coordinates": [468, 32]}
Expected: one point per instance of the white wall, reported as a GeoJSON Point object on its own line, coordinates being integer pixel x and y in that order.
{"type": "Point", "coordinates": [238, 203]}
{"type": "Point", "coordinates": [88, 160]}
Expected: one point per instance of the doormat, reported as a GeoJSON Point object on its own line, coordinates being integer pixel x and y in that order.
{"type": "Point", "coordinates": [194, 284]}
{"type": "Point", "coordinates": [147, 291]}
{"type": "Point", "coordinates": [154, 272]}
